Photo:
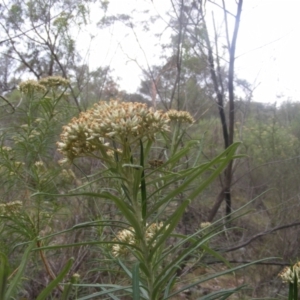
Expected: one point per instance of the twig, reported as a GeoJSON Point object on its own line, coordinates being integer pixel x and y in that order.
{"type": "Point", "coordinates": [267, 263]}
{"type": "Point", "coordinates": [3, 98]}
{"type": "Point", "coordinates": [260, 235]}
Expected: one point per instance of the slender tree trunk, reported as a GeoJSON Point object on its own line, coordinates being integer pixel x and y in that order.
{"type": "Point", "coordinates": [228, 129]}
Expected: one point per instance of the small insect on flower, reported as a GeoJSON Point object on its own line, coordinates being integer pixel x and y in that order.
{"type": "Point", "coordinates": [155, 163]}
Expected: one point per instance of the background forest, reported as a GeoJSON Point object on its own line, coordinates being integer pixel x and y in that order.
{"type": "Point", "coordinates": [51, 211]}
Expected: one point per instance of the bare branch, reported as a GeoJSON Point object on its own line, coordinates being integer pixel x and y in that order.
{"type": "Point", "coordinates": [8, 103]}
{"type": "Point", "coordinates": [259, 235]}
{"type": "Point", "coordinates": [227, 11]}
{"type": "Point", "coordinates": [226, 25]}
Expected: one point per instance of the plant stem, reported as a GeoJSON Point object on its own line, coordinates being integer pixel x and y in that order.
{"type": "Point", "coordinates": [47, 266]}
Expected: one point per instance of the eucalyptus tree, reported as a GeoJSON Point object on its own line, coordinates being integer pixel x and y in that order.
{"type": "Point", "coordinates": [40, 37]}
{"type": "Point", "coordinates": [192, 25]}
{"type": "Point", "coordinates": [94, 85]}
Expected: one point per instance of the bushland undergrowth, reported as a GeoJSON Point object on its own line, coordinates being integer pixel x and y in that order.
{"type": "Point", "coordinates": [102, 217]}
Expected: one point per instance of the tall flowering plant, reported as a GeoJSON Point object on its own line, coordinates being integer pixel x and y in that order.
{"type": "Point", "coordinates": [26, 168]}
{"type": "Point", "coordinates": [125, 137]}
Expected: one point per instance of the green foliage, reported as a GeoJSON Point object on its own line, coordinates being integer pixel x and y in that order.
{"type": "Point", "coordinates": [9, 283]}
{"type": "Point", "coordinates": [9, 289]}
{"type": "Point", "coordinates": [131, 218]}
{"type": "Point", "coordinates": [26, 157]}
{"type": "Point", "coordinates": [147, 174]}
{"type": "Point", "coordinates": [142, 195]}
{"type": "Point", "coordinates": [66, 292]}
{"type": "Point", "coordinates": [269, 140]}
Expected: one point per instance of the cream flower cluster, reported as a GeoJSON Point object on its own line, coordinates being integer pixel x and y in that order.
{"type": "Point", "coordinates": [128, 236]}
{"type": "Point", "coordinates": [7, 149]}
{"type": "Point", "coordinates": [54, 81]}
{"type": "Point", "coordinates": [31, 86]}
{"type": "Point", "coordinates": [10, 208]}
{"type": "Point", "coordinates": [288, 273]}
{"type": "Point", "coordinates": [204, 225]}
{"type": "Point", "coordinates": [152, 230]}
{"type": "Point", "coordinates": [39, 164]}
{"type": "Point", "coordinates": [125, 236]}
{"type": "Point", "coordinates": [121, 122]}
{"type": "Point", "coordinates": [180, 116]}
{"type": "Point", "coordinates": [127, 120]}
{"type": "Point", "coordinates": [76, 138]}
{"type": "Point", "coordinates": [67, 175]}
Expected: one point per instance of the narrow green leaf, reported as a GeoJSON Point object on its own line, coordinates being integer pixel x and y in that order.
{"type": "Point", "coordinates": [221, 160]}
{"type": "Point", "coordinates": [169, 270]}
{"type": "Point", "coordinates": [54, 283]}
{"type": "Point", "coordinates": [216, 255]}
{"type": "Point", "coordinates": [223, 294]}
{"type": "Point", "coordinates": [130, 275]}
{"type": "Point", "coordinates": [144, 269]}
{"type": "Point", "coordinates": [128, 214]}
{"type": "Point", "coordinates": [168, 227]}
{"type": "Point", "coordinates": [215, 275]}
{"type": "Point", "coordinates": [136, 184]}
{"type": "Point", "coordinates": [295, 286]}
{"type": "Point", "coordinates": [127, 271]}
{"type": "Point", "coordinates": [112, 296]}
{"type": "Point", "coordinates": [291, 291]}
{"type": "Point", "coordinates": [67, 290]}
{"type": "Point", "coordinates": [215, 174]}
{"type": "Point", "coordinates": [115, 288]}
{"type": "Point", "coordinates": [147, 149]}
{"type": "Point", "coordinates": [85, 244]}
{"type": "Point", "coordinates": [131, 166]}
{"type": "Point", "coordinates": [194, 238]}
{"type": "Point", "coordinates": [136, 282]}
{"type": "Point", "coordinates": [169, 286]}
{"type": "Point", "coordinates": [176, 157]}
{"type": "Point", "coordinates": [199, 152]}
{"type": "Point", "coordinates": [4, 273]}
{"type": "Point", "coordinates": [125, 208]}
{"type": "Point", "coordinates": [126, 192]}
{"type": "Point", "coordinates": [169, 179]}
{"type": "Point", "coordinates": [18, 277]}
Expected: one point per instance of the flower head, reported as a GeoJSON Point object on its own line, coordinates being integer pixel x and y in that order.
{"type": "Point", "coordinates": [30, 86]}
{"type": "Point", "coordinates": [288, 273]}
{"type": "Point", "coordinates": [128, 236]}
{"type": "Point", "coordinates": [10, 208]}
{"type": "Point", "coordinates": [123, 123]}
{"type": "Point", "coordinates": [123, 236]}
{"type": "Point", "coordinates": [54, 81]}
{"type": "Point", "coordinates": [180, 116]}
{"type": "Point", "coordinates": [75, 138]}
{"type": "Point", "coordinates": [204, 225]}
{"type": "Point", "coordinates": [152, 230]}
{"type": "Point", "coordinates": [7, 149]}
{"type": "Point", "coordinates": [127, 121]}
{"type": "Point", "coordinates": [75, 278]}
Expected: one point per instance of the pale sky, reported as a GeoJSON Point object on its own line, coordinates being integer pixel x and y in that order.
{"type": "Point", "coordinates": [268, 49]}
{"type": "Point", "coordinates": [269, 41]}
